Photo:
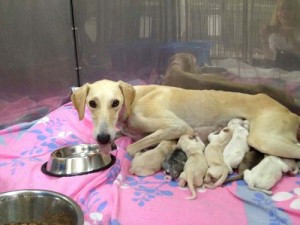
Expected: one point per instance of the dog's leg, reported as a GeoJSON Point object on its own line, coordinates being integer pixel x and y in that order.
{"type": "Point", "coordinates": [169, 129]}
{"type": "Point", "coordinates": [190, 183]}
{"type": "Point", "coordinates": [182, 179]}
{"type": "Point", "coordinates": [169, 133]}
{"type": "Point", "coordinates": [268, 139]}
{"type": "Point", "coordinates": [275, 145]}
{"type": "Point", "coordinates": [221, 180]}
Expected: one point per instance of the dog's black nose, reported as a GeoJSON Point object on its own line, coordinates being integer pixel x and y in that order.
{"type": "Point", "coordinates": [103, 138]}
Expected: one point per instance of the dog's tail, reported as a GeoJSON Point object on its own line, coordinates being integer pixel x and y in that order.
{"type": "Point", "coordinates": [220, 181]}
{"type": "Point", "coordinates": [252, 187]}
{"type": "Point", "coordinates": [235, 178]}
{"type": "Point", "coordinates": [190, 182]}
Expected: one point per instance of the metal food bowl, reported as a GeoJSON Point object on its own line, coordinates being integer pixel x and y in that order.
{"type": "Point", "coordinates": [39, 207]}
{"type": "Point", "coordinates": [77, 160]}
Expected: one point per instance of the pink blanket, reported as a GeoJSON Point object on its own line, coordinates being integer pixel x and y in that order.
{"type": "Point", "coordinates": [115, 197]}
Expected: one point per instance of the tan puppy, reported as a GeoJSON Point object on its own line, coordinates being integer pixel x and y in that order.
{"type": "Point", "coordinates": [266, 174]}
{"type": "Point", "coordinates": [183, 72]}
{"type": "Point", "coordinates": [218, 169]}
{"type": "Point", "coordinates": [196, 166]}
{"type": "Point", "coordinates": [166, 113]}
{"type": "Point", "coordinates": [149, 162]}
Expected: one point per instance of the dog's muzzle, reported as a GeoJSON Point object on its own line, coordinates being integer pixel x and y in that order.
{"type": "Point", "coordinates": [103, 139]}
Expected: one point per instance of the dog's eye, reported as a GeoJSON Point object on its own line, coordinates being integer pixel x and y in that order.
{"type": "Point", "coordinates": [115, 103]}
{"type": "Point", "coordinates": [93, 104]}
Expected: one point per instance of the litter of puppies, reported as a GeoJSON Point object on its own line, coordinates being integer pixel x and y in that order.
{"type": "Point", "coordinates": [195, 164]}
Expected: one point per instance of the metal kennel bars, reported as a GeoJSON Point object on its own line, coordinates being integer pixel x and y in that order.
{"type": "Point", "coordinates": [232, 26]}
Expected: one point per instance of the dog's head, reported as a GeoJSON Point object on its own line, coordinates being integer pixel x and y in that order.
{"type": "Point", "coordinates": [107, 101]}
{"type": "Point", "coordinates": [186, 61]}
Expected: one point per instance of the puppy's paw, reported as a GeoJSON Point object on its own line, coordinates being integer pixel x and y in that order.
{"type": "Point", "coordinates": [132, 171]}
{"type": "Point", "coordinates": [207, 179]}
{"type": "Point", "coordinates": [182, 182]}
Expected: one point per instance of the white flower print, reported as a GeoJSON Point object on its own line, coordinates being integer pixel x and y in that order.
{"type": "Point", "coordinates": [96, 216]}
{"type": "Point", "coordinates": [284, 196]}
{"type": "Point", "coordinates": [43, 120]}
{"type": "Point", "coordinates": [64, 134]}
{"type": "Point", "coordinates": [119, 181]}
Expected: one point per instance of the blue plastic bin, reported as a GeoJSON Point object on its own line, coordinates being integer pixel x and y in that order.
{"type": "Point", "coordinates": [200, 49]}
{"type": "Point", "coordinates": [134, 56]}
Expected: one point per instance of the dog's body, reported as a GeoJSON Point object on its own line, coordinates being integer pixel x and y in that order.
{"type": "Point", "coordinates": [149, 162]}
{"type": "Point", "coordinates": [217, 168]}
{"type": "Point", "coordinates": [251, 159]}
{"type": "Point", "coordinates": [196, 166]}
{"type": "Point", "coordinates": [183, 72]}
{"type": "Point", "coordinates": [266, 174]}
{"type": "Point", "coordinates": [165, 113]}
{"type": "Point", "coordinates": [173, 163]}
{"type": "Point", "coordinates": [237, 147]}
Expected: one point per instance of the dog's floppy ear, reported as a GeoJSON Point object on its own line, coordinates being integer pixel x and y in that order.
{"type": "Point", "coordinates": [193, 59]}
{"type": "Point", "coordinates": [171, 59]}
{"type": "Point", "coordinates": [78, 99]}
{"type": "Point", "coordinates": [129, 94]}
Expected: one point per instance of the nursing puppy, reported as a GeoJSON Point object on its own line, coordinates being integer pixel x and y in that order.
{"type": "Point", "coordinates": [237, 147]}
{"type": "Point", "coordinates": [251, 159]}
{"type": "Point", "coordinates": [149, 162]}
{"type": "Point", "coordinates": [196, 166]}
{"type": "Point", "coordinates": [293, 167]}
{"type": "Point", "coordinates": [173, 164]}
{"type": "Point", "coordinates": [266, 174]}
{"type": "Point", "coordinates": [218, 169]}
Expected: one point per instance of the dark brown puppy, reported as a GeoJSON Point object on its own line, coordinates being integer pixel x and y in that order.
{"type": "Point", "coordinates": [183, 72]}
{"type": "Point", "coordinates": [173, 163]}
{"type": "Point", "coordinates": [251, 159]}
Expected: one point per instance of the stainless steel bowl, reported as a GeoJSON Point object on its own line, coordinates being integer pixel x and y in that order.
{"type": "Point", "coordinates": [25, 206]}
{"type": "Point", "coordinates": [77, 160]}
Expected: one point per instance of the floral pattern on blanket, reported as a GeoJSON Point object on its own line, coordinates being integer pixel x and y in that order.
{"type": "Point", "coordinates": [118, 198]}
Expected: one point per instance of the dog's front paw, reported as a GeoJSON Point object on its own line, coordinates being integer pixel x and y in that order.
{"type": "Point", "coordinates": [131, 150]}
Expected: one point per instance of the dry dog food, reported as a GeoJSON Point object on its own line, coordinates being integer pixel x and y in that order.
{"type": "Point", "coordinates": [58, 219]}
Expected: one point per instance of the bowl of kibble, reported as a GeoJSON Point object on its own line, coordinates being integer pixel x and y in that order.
{"type": "Point", "coordinates": [38, 207]}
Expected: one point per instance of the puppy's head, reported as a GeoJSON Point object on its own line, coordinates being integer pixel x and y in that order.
{"type": "Point", "coordinates": [184, 140]}
{"type": "Point", "coordinates": [190, 143]}
{"type": "Point", "coordinates": [107, 101]}
{"type": "Point", "coordinates": [220, 136]}
{"type": "Point", "coordinates": [236, 121]}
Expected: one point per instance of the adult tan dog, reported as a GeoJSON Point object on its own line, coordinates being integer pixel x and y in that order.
{"type": "Point", "coordinates": [165, 113]}
{"type": "Point", "coordinates": [183, 72]}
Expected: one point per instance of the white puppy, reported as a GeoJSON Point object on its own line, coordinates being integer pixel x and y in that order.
{"type": "Point", "coordinates": [237, 147]}
{"type": "Point", "coordinates": [196, 166]}
{"type": "Point", "coordinates": [266, 174]}
{"type": "Point", "coordinates": [149, 162]}
{"type": "Point", "coordinates": [293, 166]}
{"type": "Point", "coordinates": [218, 169]}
